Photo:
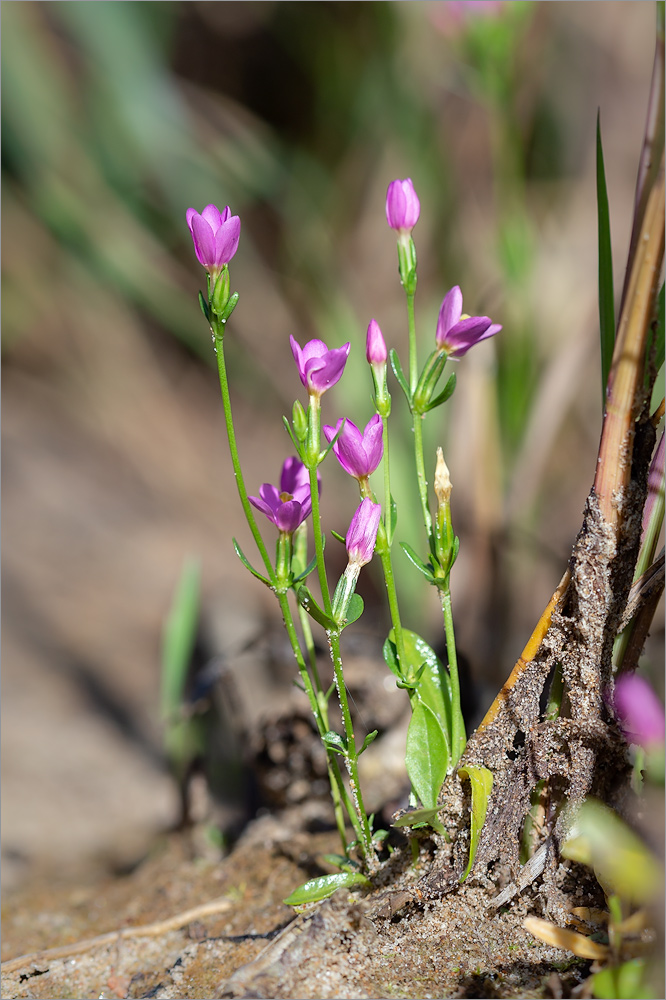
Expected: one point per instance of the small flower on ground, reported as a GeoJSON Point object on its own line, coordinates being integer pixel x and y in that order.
{"type": "Point", "coordinates": [362, 534]}
{"type": "Point", "coordinates": [289, 506]}
{"type": "Point", "coordinates": [358, 454]}
{"type": "Point", "coordinates": [215, 235]}
{"type": "Point", "coordinates": [375, 346]}
{"type": "Point", "coordinates": [319, 368]}
{"type": "Point", "coordinates": [457, 333]}
{"type": "Point", "coordinates": [639, 711]}
{"type": "Point", "coordinates": [402, 206]}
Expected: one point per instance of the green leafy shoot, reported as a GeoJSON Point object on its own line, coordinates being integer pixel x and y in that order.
{"type": "Point", "coordinates": [420, 817]}
{"type": "Point", "coordinates": [179, 638]}
{"type": "Point", "coordinates": [324, 886]}
{"type": "Point", "coordinates": [481, 781]}
{"type": "Point", "coordinates": [606, 295]}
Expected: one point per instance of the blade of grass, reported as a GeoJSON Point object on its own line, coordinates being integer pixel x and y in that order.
{"type": "Point", "coordinates": [606, 294]}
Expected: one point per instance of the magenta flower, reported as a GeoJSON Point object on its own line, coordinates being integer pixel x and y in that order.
{"type": "Point", "coordinates": [358, 454]}
{"type": "Point", "coordinates": [375, 346]}
{"type": "Point", "coordinates": [457, 333]}
{"type": "Point", "coordinates": [362, 534]}
{"type": "Point", "coordinates": [639, 711]}
{"type": "Point", "coordinates": [402, 206]}
{"type": "Point", "coordinates": [318, 367]}
{"type": "Point", "coordinates": [215, 235]}
{"type": "Point", "coordinates": [289, 506]}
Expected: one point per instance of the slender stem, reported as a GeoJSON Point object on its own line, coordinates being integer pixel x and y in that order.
{"type": "Point", "coordinates": [417, 424]}
{"type": "Point", "coordinates": [413, 358]}
{"type": "Point", "coordinates": [218, 334]}
{"type": "Point", "coordinates": [457, 732]}
{"type": "Point", "coordinates": [313, 449]}
{"type": "Point", "coordinates": [351, 757]}
{"type": "Point", "coordinates": [338, 790]}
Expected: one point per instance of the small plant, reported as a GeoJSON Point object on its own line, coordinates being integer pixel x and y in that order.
{"type": "Point", "coordinates": [436, 737]}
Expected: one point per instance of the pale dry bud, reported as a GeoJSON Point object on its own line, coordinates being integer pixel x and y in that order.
{"type": "Point", "coordinates": [442, 479]}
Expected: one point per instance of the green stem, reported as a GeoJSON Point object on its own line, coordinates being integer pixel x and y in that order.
{"type": "Point", "coordinates": [417, 424]}
{"type": "Point", "coordinates": [413, 358]}
{"type": "Point", "coordinates": [458, 739]}
{"type": "Point", "coordinates": [351, 757]}
{"type": "Point", "coordinates": [313, 449]}
{"type": "Point", "coordinates": [218, 334]}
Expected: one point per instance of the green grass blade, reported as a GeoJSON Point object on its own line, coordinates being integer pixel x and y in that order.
{"type": "Point", "coordinates": [606, 296]}
{"type": "Point", "coordinates": [179, 637]}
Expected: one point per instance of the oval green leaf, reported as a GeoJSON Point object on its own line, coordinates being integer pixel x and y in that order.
{"type": "Point", "coordinates": [427, 755]}
{"type": "Point", "coordinates": [324, 886]}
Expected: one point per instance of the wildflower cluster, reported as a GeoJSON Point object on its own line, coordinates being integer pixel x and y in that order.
{"type": "Point", "coordinates": [436, 738]}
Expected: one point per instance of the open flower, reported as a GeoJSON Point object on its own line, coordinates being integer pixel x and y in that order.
{"type": "Point", "coordinates": [215, 235]}
{"type": "Point", "coordinates": [457, 333]}
{"type": "Point", "coordinates": [289, 506]}
{"type": "Point", "coordinates": [358, 454]}
{"type": "Point", "coordinates": [362, 534]}
{"type": "Point", "coordinates": [402, 206]}
{"type": "Point", "coordinates": [319, 368]}
{"type": "Point", "coordinates": [639, 711]}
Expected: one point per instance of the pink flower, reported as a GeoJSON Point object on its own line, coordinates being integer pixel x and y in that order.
{"type": "Point", "coordinates": [289, 506]}
{"type": "Point", "coordinates": [358, 454]}
{"type": "Point", "coordinates": [215, 235]}
{"type": "Point", "coordinates": [375, 346]}
{"type": "Point", "coordinates": [402, 206]}
{"type": "Point", "coordinates": [362, 534]}
{"type": "Point", "coordinates": [319, 368]}
{"type": "Point", "coordinates": [455, 333]}
{"type": "Point", "coordinates": [639, 711]}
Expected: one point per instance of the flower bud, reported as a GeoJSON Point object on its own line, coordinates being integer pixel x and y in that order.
{"type": "Point", "coordinates": [375, 346]}
{"type": "Point", "coordinates": [362, 534]}
{"type": "Point", "coordinates": [402, 206]}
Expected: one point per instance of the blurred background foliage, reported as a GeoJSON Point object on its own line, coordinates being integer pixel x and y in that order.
{"type": "Point", "coordinates": [119, 116]}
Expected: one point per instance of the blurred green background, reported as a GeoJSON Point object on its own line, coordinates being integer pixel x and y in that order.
{"type": "Point", "coordinates": [117, 117]}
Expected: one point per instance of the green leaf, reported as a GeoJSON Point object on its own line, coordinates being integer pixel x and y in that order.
{"type": "Point", "coordinates": [340, 861]}
{"type": "Point", "coordinates": [391, 520]}
{"type": "Point", "coordinates": [420, 817]}
{"type": "Point", "coordinates": [204, 307]}
{"type": "Point", "coordinates": [422, 567]}
{"type": "Point", "coordinates": [444, 394]}
{"type": "Point", "coordinates": [308, 603]}
{"type": "Point", "coordinates": [335, 742]}
{"type": "Point", "coordinates": [654, 355]}
{"type": "Point", "coordinates": [398, 372]}
{"type": "Point", "coordinates": [427, 755]}
{"type": "Point", "coordinates": [370, 738]}
{"type": "Point", "coordinates": [179, 637]}
{"type": "Point", "coordinates": [606, 296]}
{"type": "Point", "coordinates": [354, 610]}
{"type": "Point", "coordinates": [292, 435]}
{"type": "Point", "coordinates": [306, 572]}
{"type": "Point", "coordinates": [324, 886]}
{"type": "Point", "coordinates": [247, 564]}
{"type": "Point", "coordinates": [481, 781]}
{"type": "Point", "coordinates": [338, 537]}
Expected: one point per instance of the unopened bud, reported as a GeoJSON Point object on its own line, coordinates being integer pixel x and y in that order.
{"type": "Point", "coordinates": [442, 479]}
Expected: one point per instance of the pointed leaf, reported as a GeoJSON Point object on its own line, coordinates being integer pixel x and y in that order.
{"type": "Point", "coordinates": [370, 738]}
{"type": "Point", "coordinates": [606, 298]}
{"type": "Point", "coordinates": [420, 817]}
{"type": "Point", "coordinates": [306, 572]}
{"type": "Point", "coordinates": [308, 603]}
{"type": "Point", "coordinates": [481, 781]}
{"type": "Point", "coordinates": [248, 565]}
{"type": "Point", "coordinates": [418, 562]}
{"type": "Point", "coordinates": [335, 742]}
{"type": "Point", "coordinates": [398, 372]}
{"type": "Point", "coordinates": [444, 394]}
{"type": "Point", "coordinates": [290, 432]}
{"type": "Point", "coordinates": [204, 307]}
{"type": "Point", "coordinates": [340, 861]}
{"type": "Point", "coordinates": [427, 755]}
{"type": "Point", "coordinates": [391, 520]}
{"type": "Point", "coordinates": [324, 886]}
{"type": "Point", "coordinates": [179, 637]}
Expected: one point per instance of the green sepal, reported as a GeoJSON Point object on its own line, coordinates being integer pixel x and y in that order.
{"type": "Point", "coordinates": [294, 440]}
{"type": "Point", "coordinates": [422, 567]}
{"type": "Point", "coordinates": [232, 302]}
{"type": "Point", "coordinates": [399, 374]}
{"type": "Point", "coordinates": [333, 741]}
{"type": "Point", "coordinates": [308, 603]}
{"type": "Point", "coordinates": [323, 887]}
{"type": "Point", "coordinates": [248, 565]}
{"type": "Point", "coordinates": [420, 817]}
{"type": "Point", "coordinates": [481, 781]}
{"type": "Point", "coordinates": [204, 308]}
{"type": "Point", "coordinates": [427, 754]}
{"type": "Point", "coordinates": [338, 537]}
{"type": "Point", "coordinates": [300, 421]}
{"type": "Point", "coordinates": [446, 392]}
{"type": "Point", "coordinates": [370, 738]}
{"type": "Point", "coordinates": [391, 520]}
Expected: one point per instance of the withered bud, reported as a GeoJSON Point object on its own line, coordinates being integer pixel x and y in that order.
{"type": "Point", "coordinates": [442, 479]}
